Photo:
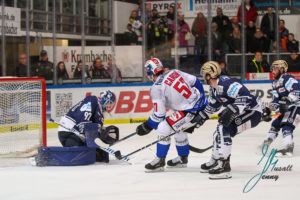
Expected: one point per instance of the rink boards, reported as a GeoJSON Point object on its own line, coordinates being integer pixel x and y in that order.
{"type": "Point", "coordinates": [133, 102]}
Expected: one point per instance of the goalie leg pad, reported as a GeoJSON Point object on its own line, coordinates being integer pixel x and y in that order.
{"type": "Point", "coordinates": [65, 156]}
{"type": "Point", "coordinates": [69, 139]}
{"type": "Point", "coordinates": [91, 133]}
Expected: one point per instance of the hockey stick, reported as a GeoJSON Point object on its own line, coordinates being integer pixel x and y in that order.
{"type": "Point", "coordinates": [124, 138]}
{"type": "Point", "coordinates": [106, 149]}
{"type": "Point", "coordinates": [196, 150]}
{"type": "Point", "coordinates": [118, 154]}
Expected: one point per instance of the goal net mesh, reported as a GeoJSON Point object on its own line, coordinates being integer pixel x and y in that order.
{"type": "Point", "coordinates": [21, 130]}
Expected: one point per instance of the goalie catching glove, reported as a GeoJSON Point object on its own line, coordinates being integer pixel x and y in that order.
{"type": "Point", "coordinates": [228, 115]}
{"type": "Point", "coordinates": [143, 129]}
{"type": "Point", "coordinates": [266, 115]}
{"type": "Point", "coordinates": [200, 118]}
{"type": "Point", "coordinates": [109, 135]}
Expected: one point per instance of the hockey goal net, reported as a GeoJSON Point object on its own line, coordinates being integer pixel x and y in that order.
{"type": "Point", "coordinates": [22, 116]}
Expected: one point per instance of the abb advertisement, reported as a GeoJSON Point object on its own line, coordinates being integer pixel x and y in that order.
{"type": "Point", "coordinates": [133, 103]}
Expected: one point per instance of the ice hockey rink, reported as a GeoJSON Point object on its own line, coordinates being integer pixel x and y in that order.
{"type": "Point", "coordinates": [117, 180]}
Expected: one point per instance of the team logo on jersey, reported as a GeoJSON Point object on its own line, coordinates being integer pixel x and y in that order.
{"type": "Point", "coordinates": [238, 121]}
{"type": "Point", "coordinates": [86, 107]}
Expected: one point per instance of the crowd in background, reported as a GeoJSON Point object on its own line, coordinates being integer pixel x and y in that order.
{"type": "Point", "coordinates": [226, 37]}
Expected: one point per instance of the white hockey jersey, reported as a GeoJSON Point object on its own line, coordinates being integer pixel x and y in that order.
{"type": "Point", "coordinates": [175, 90]}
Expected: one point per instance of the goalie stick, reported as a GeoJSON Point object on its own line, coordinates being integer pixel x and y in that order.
{"type": "Point", "coordinates": [97, 141]}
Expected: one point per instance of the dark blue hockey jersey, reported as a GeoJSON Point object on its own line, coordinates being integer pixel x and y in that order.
{"type": "Point", "coordinates": [286, 86]}
{"type": "Point", "coordinates": [231, 91]}
{"type": "Point", "coordinates": [86, 111]}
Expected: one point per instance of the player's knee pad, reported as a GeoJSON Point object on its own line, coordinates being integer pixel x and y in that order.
{"type": "Point", "coordinates": [180, 120]}
{"type": "Point", "coordinates": [164, 129]}
{"type": "Point", "coordinates": [273, 133]}
{"type": "Point", "coordinates": [181, 139]}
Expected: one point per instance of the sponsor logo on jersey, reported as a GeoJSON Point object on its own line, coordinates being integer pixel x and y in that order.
{"type": "Point", "coordinates": [282, 89]}
{"type": "Point", "coordinates": [86, 107]}
{"type": "Point", "coordinates": [233, 89]}
{"type": "Point", "coordinates": [238, 121]}
{"type": "Point", "coordinates": [289, 84]}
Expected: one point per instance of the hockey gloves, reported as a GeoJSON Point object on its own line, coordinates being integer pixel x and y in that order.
{"type": "Point", "coordinates": [109, 135]}
{"type": "Point", "coordinates": [143, 129]}
{"type": "Point", "coordinates": [266, 115]}
{"type": "Point", "coordinates": [284, 103]}
{"type": "Point", "coordinates": [228, 115]}
{"type": "Point", "coordinates": [200, 118]}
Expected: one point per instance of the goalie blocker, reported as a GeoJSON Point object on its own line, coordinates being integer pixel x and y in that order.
{"type": "Point", "coordinates": [87, 152]}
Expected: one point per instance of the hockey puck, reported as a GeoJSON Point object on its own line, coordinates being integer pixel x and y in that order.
{"type": "Point", "coordinates": [118, 155]}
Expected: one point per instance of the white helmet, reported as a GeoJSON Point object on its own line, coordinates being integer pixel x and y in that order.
{"type": "Point", "coordinates": [153, 67]}
{"type": "Point", "coordinates": [279, 64]}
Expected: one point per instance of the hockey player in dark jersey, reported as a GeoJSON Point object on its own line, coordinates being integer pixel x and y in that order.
{"type": "Point", "coordinates": [286, 99]}
{"type": "Point", "coordinates": [242, 111]}
{"type": "Point", "coordinates": [89, 110]}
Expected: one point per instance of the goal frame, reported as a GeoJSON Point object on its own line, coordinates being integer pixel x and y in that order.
{"type": "Point", "coordinates": [43, 87]}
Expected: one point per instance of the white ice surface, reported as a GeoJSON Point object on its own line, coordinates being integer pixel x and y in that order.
{"type": "Point", "coordinates": [116, 180]}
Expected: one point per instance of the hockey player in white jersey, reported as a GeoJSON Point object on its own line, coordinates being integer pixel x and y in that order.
{"type": "Point", "coordinates": [242, 111]}
{"type": "Point", "coordinates": [184, 94]}
{"type": "Point", "coordinates": [286, 99]}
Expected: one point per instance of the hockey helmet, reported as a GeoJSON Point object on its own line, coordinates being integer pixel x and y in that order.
{"type": "Point", "coordinates": [279, 64]}
{"type": "Point", "coordinates": [210, 68]}
{"type": "Point", "coordinates": [107, 100]}
{"type": "Point", "coordinates": [153, 67]}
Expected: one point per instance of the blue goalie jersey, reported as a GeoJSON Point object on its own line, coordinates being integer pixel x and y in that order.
{"type": "Point", "coordinates": [86, 111]}
{"type": "Point", "coordinates": [231, 91]}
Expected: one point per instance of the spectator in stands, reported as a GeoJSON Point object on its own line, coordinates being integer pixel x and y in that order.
{"type": "Point", "coordinates": [235, 23]}
{"type": "Point", "coordinates": [98, 69]}
{"type": "Point", "coordinates": [257, 64]}
{"type": "Point", "coordinates": [44, 68]}
{"type": "Point", "coordinates": [170, 20]}
{"type": "Point", "coordinates": [284, 33]}
{"type": "Point", "coordinates": [250, 12]}
{"type": "Point", "coordinates": [292, 44]}
{"type": "Point", "coordinates": [294, 62]}
{"type": "Point", "coordinates": [250, 31]}
{"type": "Point", "coordinates": [61, 71]}
{"type": "Point", "coordinates": [223, 67]}
{"type": "Point", "coordinates": [182, 29]}
{"type": "Point", "coordinates": [78, 69]}
{"type": "Point", "coordinates": [217, 42]}
{"type": "Point", "coordinates": [136, 25]}
{"type": "Point", "coordinates": [21, 68]}
{"type": "Point", "coordinates": [199, 30]}
{"type": "Point", "coordinates": [224, 27]}
{"type": "Point", "coordinates": [235, 41]}
{"type": "Point", "coordinates": [259, 42]}
{"type": "Point", "coordinates": [157, 29]}
{"type": "Point", "coordinates": [268, 24]}
{"type": "Point", "coordinates": [130, 36]}
{"type": "Point", "coordinates": [113, 70]}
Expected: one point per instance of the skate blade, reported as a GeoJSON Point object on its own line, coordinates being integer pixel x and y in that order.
{"type": "Point", "coordinates": [203, 171]}
{"type": "Point", "coordinates": [160, 169]}
{"type": "Point", "coordinates": [280, 155]}
{"type": "Point", "coordinates": [225, 175]}
{"type": "Point", "coordinates": [178, 166]}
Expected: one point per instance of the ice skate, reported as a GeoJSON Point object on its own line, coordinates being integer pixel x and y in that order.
{"type": "Point", "coordinates": [156, 165]}
{"type": "Point", "coordinates": [204, 168]}
{"type": "Point", "coordinates": [285, 152]}
{"type": "Point", "coordinates": [267, 142]}
{"type": "Point", "coordinates": [178, 162]}
{"type": "Point", "coordinates": [221, 170]}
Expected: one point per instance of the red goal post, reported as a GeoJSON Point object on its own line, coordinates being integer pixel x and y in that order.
{"type": "Point", "coordinates": [22, 116]}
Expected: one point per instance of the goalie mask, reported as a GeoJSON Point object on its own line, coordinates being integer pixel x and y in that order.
{"type": "Point", "coordinates": [153, 67]}
{"type": "Point", "coordinates": [107, 100]}
{"type": "Point", "coordinates": [210, 68]}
